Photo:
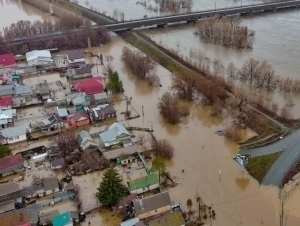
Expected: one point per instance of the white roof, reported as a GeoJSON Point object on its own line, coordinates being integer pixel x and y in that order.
{"type": "Point", "coordinates": [15, 131]}
{"type": "Point", "coordinates": [37, 53]}
{"type": "Point", "coordinates": [39, 156]}
{"type": "Point", "coordinates": [99, 108]}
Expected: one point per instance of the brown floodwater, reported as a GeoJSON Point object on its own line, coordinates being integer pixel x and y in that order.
{"type": "Point", "coordinates": [12, 11]}
{"type": "Point", "coordinates": [237, 198]}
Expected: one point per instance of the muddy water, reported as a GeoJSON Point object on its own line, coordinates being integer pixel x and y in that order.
{"type": "Point", "coordinates": [133, 10]}
{"type": "Point", "coordinates": [236, 197]}
{"type": "Point", "coordinates": [13, 10]}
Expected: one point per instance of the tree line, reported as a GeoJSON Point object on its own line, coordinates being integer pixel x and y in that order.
{"type": "Point", "coordinates": [66, 41]}
{"type": "Point", "coordinates": [226, 31]}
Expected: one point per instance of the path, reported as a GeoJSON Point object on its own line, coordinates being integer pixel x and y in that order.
{"type": "Point", "coordinates": [290, 146]}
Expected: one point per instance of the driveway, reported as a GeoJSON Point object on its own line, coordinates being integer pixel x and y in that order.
{"type": "Point", "coordinates": [290, 145]}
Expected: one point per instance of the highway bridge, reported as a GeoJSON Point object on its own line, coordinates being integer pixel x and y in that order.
{"type": "Point", "coordinates": [178, 18]}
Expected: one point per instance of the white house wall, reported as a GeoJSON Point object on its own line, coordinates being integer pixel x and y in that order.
{"type": "Point", "coordinates": [15, 139]}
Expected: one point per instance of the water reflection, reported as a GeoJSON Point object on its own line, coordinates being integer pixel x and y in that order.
{"type": "Point", "coordinates": [15, 10]}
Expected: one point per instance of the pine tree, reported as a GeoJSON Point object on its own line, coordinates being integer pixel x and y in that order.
{"type": "Point", "coordinates": [4, 151]}
{"type": "Point", "coordinates": [114, 83]}
{"type": "Point", "coordinates": [111, 188]}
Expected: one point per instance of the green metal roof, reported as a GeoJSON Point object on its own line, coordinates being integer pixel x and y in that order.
{"type": "Point", "coordinates": [62, 219]}
{"type": "Point", "coordinates": [143, 182]}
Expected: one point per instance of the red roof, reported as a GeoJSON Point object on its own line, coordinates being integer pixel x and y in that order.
{"type": "Point", "coordinates": [7, 60]}
{"type": "Point", "coordinates": [90, 85]}
{"type": "Point", "coordinates": [11, 160]}
{"type": "Point", "coordinates": [5, 101]}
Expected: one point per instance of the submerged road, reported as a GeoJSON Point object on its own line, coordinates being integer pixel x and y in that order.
{"type": "Point", "coordinates": [290, 145]}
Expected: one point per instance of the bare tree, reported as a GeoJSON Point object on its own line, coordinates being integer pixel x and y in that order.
{"type": "Point", "coordinates": [249, 71]}
{"type": "Point", "coordinates": [231, 70]}
{"type": "Point", "coordinates": [286, 113]}
{"type": "Point", "coordinates": [138, 63]}
{"type": "Point", "coordinates": [233, 133]}
{"type": "Point", "coordinates": [153, 80]}
{"type": "Point", "coordinates": [184, 85]}
{"type": "Point", "coordinates": [169, 109]}
{"type": "Point", "coordinates": [165, 149]}
{"type": "Point", "coordinates": [66, 141]}
{"type": "Point", "coordinates": [274, 107]}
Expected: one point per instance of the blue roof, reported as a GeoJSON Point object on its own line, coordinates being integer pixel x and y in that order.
{"type": "Point", "coordinates": [61, 219]}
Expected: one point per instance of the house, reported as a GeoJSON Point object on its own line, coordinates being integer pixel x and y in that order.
{"type": "Point", "coordinates": [170, 219]}
{"type": "Point", "coordinates": [11, 164]}
{"type": "Point", "coordinates": [130, 222]}
{"type": "Point", "coordinates": [22, 90]}
{"type": "Point", "coordinates": [79, 118]}
{"type": "Point", "coordinates": [6, 116]}
{"type": "Point", "coordinates": [106, 112]}
{"type": "Point", "coordinates": [44, 92]}
{"type": "Point", "coordinates": [50, 185]}
{"type": "Point", "coordinates": [75, 56]}
{"type": "Point", "coordinates": [114, 135]}
{"type": "Point", "coordinates": [65, 219]}
{"type": "Point", "coordinates": [89, 86]}
{"type": "Point", "coordinates": [16, 219]}
{"type": "Point", "coordinates": [33, 191]}
{"type": "Point", "coordinates": [14, 134]}
{"type": "Point", "coordinates": [5, 102]}
{"type": "Point", "coordinates": [121, 207]}
{"type": "Point", "coordinates": [45, 218]}
{"type": "Point", "coordinates": [6, 90]}
{"type": "Point", "coordinates": [57, 163]}
{"type": "Point", "coordinates": [77, 73]}
{"type": "Point", "coordinates": [53, 151]}
{"type": "Point", "coordinates": [52, 123]}
{"type": "Point", "coordinates": [62, 112]}
{"type": "Point", "coordinates": [38, 57]}
{"type": "Point", "coordinates": [144, 184]}
{"type": "Point", "coordinates": [85, 140]}
{"type": "Point", "coordinates": [115, 154]}
{"type": "Point", "coordinates": [7, 60]}
{"type": "Point", "coordinates": [80, 101]}
{"type": "Point", "coordinates": [10, 191]}
{"type": "Point", "coordinates": [99, 98]}
{"type": "Point", "coordinates": [152, 205]}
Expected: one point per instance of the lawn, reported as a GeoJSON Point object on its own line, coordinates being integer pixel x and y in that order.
{"type": "Point", "coordinates": [259, 166]}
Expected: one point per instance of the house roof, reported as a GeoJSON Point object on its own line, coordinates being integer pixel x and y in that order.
{"type": "Point", "coordinates": [58, 162]}
{"type": "Point", "coordinates": [37, 53]}
{"type": "Point", "coordinates": [14, 131]}
{"type": "Point", "coordinates": [10, 163]}
{"type": "Point", "coordinates": [53, 119]}
{"type": "Point", "coordinates": [44, 90]}
{"type": "Point", "coordinates": [115, 130]}
{"type": "Point", "coordinates": [83, 70]}
{"type": "Point", "coordinates": [9, 191]}
{"type": "Point", "coordinates": [169, 219]}
{"type": "Point", "coordinates": [115, 153]}
{"type": "Point", "coordinates": [125, 200]}
{"type": "Point", "coordinates": [32, 189]}
{"type": "Point", "coordinates": [98, 96]}
{"type": "Point", "coordinates": [14, 219]}
{"type": "Point", "coordinates": [106, 111]}
{"type": "Point", "coordinates": [83, 135]}
{"type": "Point", "coordinates": [152, 202]}
{"type": "Point", "coordinates": [22, 89]}
{"type": "Point", "coordinates": [50, 184]}
{"type": "Point", "coordinates": [77, 115]}
{"type": "Point", "coordinates": [5, 101]}
{"type": "Point", "coordinates": [130, 222]}
{"type": "Point", "coordinates": [143, 182]}
{"type": "Point", "coordinates": [62, 112]}
{"type": "Point", "coordinates": [90, 85]}
{"type": "Point", "coordinates": [7, 60]}
{"type": "Point", "coordinates": [7, 206]}
{"type": "Point", "coordinates": [80, 98]}
{"type": "Point", "coordinates": [74, 54]}
{"type": "Point", "coordinates": [47, 217]}
{"type": "Point", "coordinates": [8, 188]}
{"type": "Point", "coordinates": [61, 219]}
{"type": "Point", "coordinates": [6, 90]}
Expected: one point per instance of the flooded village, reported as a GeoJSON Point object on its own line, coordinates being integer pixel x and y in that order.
{"type": "Point", "coordinates": [89, 138]}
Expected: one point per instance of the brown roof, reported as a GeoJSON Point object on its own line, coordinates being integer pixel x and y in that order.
{"type": "Point", "coordinates": [8, 188]}
{"type": "Point", "coordinates": [151, 203]}
{"type": "Point", "coordinates": [47, 217]}
{"type": "Point", "coordinates": [58, 162]}
{"type": "Point", "coordinates": [106, 111]}
{"type": "Point", "coordinates": [125, 200]}
{"type": "Point", "coordinates": [120, 151]}
{"type": "Point", "coordinates": [11, 163]}
{"type": "Point", "coordinates": [76, 116]}
{"type": "Point", "coordinates": [15, 219]}
{"type": "Point", "coordinates": [74, 54]}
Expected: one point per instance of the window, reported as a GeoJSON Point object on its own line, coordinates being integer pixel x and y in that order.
{"type": "Point", "coordinates": [53, 190]}
{"type": "Point", "coordinates": [17, 137]}
{"type": "Point", "coordinates": [10, 138]}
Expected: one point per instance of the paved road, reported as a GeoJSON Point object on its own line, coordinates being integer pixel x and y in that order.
{"type": "Point", "coordinates": [290, 145]}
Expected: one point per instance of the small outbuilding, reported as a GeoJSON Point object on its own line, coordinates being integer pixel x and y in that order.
{"type": "Point", "coordinates": [38, 57]}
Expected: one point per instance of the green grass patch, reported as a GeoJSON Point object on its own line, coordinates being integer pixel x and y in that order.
{"type": "Point", "coordinates": [158, 56]}
{"type": "Point", "coordinates": [259, 166]}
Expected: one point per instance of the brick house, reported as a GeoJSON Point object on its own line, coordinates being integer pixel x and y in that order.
{"type": "Point", "coordinates": [79, 118]}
